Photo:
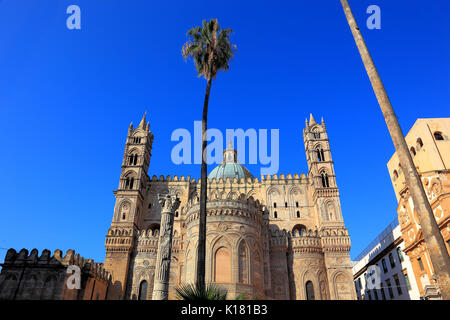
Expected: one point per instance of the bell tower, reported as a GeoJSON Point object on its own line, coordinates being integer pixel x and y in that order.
{"type": "Point", "coordinates": [129, 208]}
{"type": "Point", "coordinates": [321, 172]}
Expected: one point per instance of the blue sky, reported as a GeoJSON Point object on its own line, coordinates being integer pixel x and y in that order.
{"type": "Point", "coordinates": [68, 96]}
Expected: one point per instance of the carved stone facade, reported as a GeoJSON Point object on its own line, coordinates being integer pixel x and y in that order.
{"type": "Point", "coordinates": [270, 238]}
{"type": "Point", "coordinates": [429, 145]}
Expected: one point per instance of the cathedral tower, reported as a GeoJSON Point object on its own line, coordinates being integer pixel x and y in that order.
{"type": "Point", "coordinates": [129, 206]}
{"type": "Point", "coordinates": [321, 171]}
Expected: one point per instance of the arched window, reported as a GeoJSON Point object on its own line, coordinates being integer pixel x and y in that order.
{"type": "Point", "coordinates": [298, 214]}
{"type": "Point", "coordinates": [143, 290]}
{"type": "Point", "coordinates": [320, 154]}
{"type": "Point", "coordinates": [325, 181]}
{"type": "Point", "coordinates": [275, 214]}
{"type": "Point", "coordinates": [243, 263]}
{"type": "Point", "coordinates": [296, 204]}
{"type": "Point", "coordinates": [285, 204]}
{"type": "Point", "coordinates": [391, 260]}
{"type": "Point", "coordinates": [413, 151]}
{"type": "Point", "coordinates": [419, 143]}
{"type": "Point", "coordinates": [123, 216]}
{"type": "Point", "coordinates": [309, 287]}
{"type": "Point", "coordinates": [395, 173]}
{"type": "Point", "coordinates": [299, 229]}
{"type": "Point", "coordinates": [222, 266]}
{"type": "Point", "coordinates": [438, 136]}
{"type": "Point", "coordinates": [274, 204]}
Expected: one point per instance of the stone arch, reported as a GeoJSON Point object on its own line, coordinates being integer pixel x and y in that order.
{"type": "Point", "coordinates": [257, 267]}
{"type": "Point", "coordinates": [28, 288]}
{"type": "Point", "coordinates": [308, 276]}
{"type": "Point", "coordinates": [323, 285]}
{"type": "Point", "coordinates": [299, 230]}
{"type": "Point", "coordinates": [243, 262]}
{"type": "Point", "coordinates": [124, 209]}
{"type": "Point", "coordinates": [342, 286]}
{"type": "Point", "coordinates": [222, 265]}
{"type": "Point", "coordinates": [330, 210]}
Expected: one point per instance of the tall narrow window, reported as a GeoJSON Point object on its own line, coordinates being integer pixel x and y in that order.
{"type": "Point", "coordinates": [131, 183]}
{"type": "Point", "coordinates": [143, 290]}
{"type": "Point", "coordinates": [274, 204]}
{"type": "Point", "coordinates": [285, 204]}
{"type": "Point", "coordinates": [298, 214]}
{"type": "Point", "coordinates": [375, 294]}
{"type": "Point", "coordinates": [391, 260]}
{"type": "Point", "coordinates": [438, 136]}
{"type": "Point", "coordinates": [383, 294]}
{"type": "Point", "coordinates": [397, 284]}
{"type": "Point", "coordinates": [400, 254]}
{"type": "Point", "coordinates": [296, 204]}
{"type": "Point", "coordinates": [275, 214]}
{"type": "Point", "coordinates": [389, 286]}
{"type": "Point", "coordinates": [408, 284]}
{"type": "Point", "coordinates": [419, 260]}
{"type": "Point", "coordinates": [222, 270]}
{"type": "Point", "coordinates": [383, 262]}
{"type": "Point", "coordinates": [309, 287]}
{"type": "Point", "coordinates": [243, 263]}
{"type": "Point", "coordinates": [325, 182]}
{"type": "Point", "coordinates": [413, 151]}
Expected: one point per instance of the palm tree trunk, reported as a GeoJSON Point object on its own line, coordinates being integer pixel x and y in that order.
{"type": "Point", "coordinates": [431, 233]}
{"type": "Point", "coordinates": [201, 251]}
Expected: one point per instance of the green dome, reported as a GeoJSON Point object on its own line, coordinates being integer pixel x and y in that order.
{"type": "Point", "coordinates": [229, 168]}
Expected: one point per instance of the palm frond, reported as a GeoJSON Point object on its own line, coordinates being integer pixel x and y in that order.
{"type": "Point", "coordinates": [210, 48]}
{"type": "Point", "coordinates": [211, 291]}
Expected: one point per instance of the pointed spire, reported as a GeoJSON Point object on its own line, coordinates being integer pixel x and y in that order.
{"type": "Point", "coordinates": [148, 126]}
{"type": "Point", "coordinates": [306, 123]}
{"type": "Point", "coordinates": [311, 119]}
{"type": "Point", "coordinates": [131, 126]}
{"type": "Point", "coordinates": [323, 122]}
{"type": "Point", "coordinates": [142, 124]}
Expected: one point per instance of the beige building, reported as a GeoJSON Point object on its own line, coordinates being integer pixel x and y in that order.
{"type": "Point", "coordinates": [277, 237]}
{"type": "Point", "coordinates": [429, 145]}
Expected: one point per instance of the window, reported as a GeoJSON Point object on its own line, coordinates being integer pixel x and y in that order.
{"type": "Point", "coordinates": [391, 260]}
{"type": "Point", "coordinates": [395, 173]}
{"type": "Point", "coordinates": [296, 204]}
{"type": "Point", "coordinates": [359, 282]}
{"type": "Point", "coordinates": [274, 204]}
{"type": "Point", "coordinates": [285, 204]}
{"type": "Point", "coordinates": [369, 294]}
{"type": "Point", "coordinates": [383, 262]}
{"type": "Point", "coordinates": [400, 254]}
{"type": "Point", "coordinates": [448, 243]}
{"type": "Point", "coordinates": [275, 215]}
{"type": "Point", "coordinates": [413, 151]}
{"type": "Point", "coordinates": [408, 284]}
{"type": "Point", "coordinates": [383, 294]}
{"type": "Point", "coordinates": [222, 266]}
{"type": "Point", "coordinates": [389, 286]}
{"type": "Point", "coordinates": [123, 216]}
{"type": "Point", "coordinates": [143, 290]}
{"type": "Point", "coordinates": [149, 205]}
{"type": "Point", "coordinates": [176, 214]}
{"type": "Point", "coordinates": [298, 214]}
{"type": "Point", "coordinates": [397, 284]}
{"type": "Point", "coordinates": [129, 183]}
{"type": "Point", "coordinates": [325, 181]}
{"type": "Point", "coordinates": [320, 154]}
{"type": "Point", "coordinates": [419, 143]}
{"type": "Point", "coordinates": [419, 260]}
{"type": "Point", "coordinates": [375, 294]}
{"type": "Point", "coordinates": [309, 287]}
{"type": "Point", "coordinates": [438, 136]}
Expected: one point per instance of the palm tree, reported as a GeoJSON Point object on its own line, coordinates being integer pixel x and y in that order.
{"type": "Point", "coordinates": [432, 236]}
{"type": "Point", "coordinates": [210, 48]}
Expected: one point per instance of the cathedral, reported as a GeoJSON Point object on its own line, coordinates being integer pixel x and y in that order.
{"type": "Point", "coordinates": [276, 237]}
